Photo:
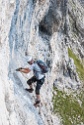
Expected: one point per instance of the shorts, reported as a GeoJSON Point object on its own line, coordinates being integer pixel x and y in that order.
{"type": "Point", "coordinates": [38, 85]}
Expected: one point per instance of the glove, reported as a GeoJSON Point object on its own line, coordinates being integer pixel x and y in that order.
{"type": "Point", "coordinates": [18, 69]}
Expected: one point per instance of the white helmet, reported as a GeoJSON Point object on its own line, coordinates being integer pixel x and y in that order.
{"type": "Point", "coordinates": [29, 58]}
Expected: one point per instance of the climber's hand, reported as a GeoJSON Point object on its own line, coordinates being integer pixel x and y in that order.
{"type": "Point", "coordinates": [19, 69]}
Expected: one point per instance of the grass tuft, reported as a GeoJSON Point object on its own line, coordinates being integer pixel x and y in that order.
{"type": "Point", "coordinates": [67, 106]}
{"type": "Point", "coordinates": [79, 65]}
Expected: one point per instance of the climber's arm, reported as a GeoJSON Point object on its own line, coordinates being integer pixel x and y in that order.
{"type": "Point", "coordinates": [24, 70]}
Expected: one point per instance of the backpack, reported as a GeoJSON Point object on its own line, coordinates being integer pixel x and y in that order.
{"type": "Point", "coordinates": [42, 65]}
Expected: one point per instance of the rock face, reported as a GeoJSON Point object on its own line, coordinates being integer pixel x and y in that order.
{"type": "Point", "coordinates": [52, 20]}
{"type": "Point", "coordinates": [7, 115]}
{"type": "Point", "coordinates": [44, 29]}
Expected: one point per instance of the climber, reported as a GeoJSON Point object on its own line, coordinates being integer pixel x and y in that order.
{"type": "Point", "coordinates": [39, 77]}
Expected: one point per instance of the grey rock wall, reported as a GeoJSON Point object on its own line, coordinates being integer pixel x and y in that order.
{"type": "Point", "coordinates": [7, 115]}
{"type": "Point", "coordinates": [44, 29]}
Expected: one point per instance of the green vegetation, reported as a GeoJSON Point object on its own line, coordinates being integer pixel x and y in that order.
{"type": "Point", "coordinates": [67, 106]}
{"type": "Point", "coordinates": [71, 106]}
{"type": "Point", "coordinates": [79, 65]}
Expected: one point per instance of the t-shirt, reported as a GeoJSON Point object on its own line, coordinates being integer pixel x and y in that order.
{"type": "Point", "coordinates": [37, 71]}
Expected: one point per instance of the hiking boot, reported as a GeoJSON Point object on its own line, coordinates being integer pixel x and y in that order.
{"type": "Point", "coordinates": [29, 90]}
{"type": "Point", "coordinates": [37, 103]}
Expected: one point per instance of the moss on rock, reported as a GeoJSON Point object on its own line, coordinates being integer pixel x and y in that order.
{"type": "Point", "coordinates": [69, 108]}
{"type": "Point", "coordinates": [78, 64]}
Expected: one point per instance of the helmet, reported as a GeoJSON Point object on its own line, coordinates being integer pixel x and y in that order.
{"type": "Point", "coordinates": [29, 58]}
